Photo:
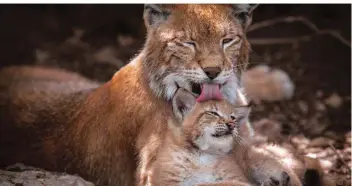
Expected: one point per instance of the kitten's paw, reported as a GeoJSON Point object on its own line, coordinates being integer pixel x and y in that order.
{"type": "Point", "coordinates": [281, 180]}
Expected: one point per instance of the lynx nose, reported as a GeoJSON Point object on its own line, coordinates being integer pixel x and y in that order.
{"type": "Point", "coordinates": [212, 72]}
{"type": "Point", "coordinates": [231, 125]}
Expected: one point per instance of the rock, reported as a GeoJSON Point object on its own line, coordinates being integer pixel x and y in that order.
{"type": "Point", "coordinates": [323, 153]}
{"type": "Point", "coordinates": [334, 100]}
{"type": "Point", "coordinates": [326, 165]}
{"type": "Point", "coordinates": [267, 130]}
{"type": "Point", "coordinates": [314, 126]}
{"type": "Point", "coordinates": [321, 142]}
{"type": "Point", "coordinates": [333, 135]}
{"type": "Point", "coordinates": [263, 83]}
{"type": "Point", "coordinates": [75, 39]}
{"type": "Point", "coordinates": [348, 138]}
{"type": "Point", "coordinates": [108, 54]}
{"type": "Point", "coordinates": [303, 106]}
{"type": "Point", "coordinates": [41, 56]}
{"type": "Point", "coordinates": [125, 40]}
{"type": "Point", "coordinates": [300, 141]}
{"type": "Point", "coordinates": [319, 94]}
{"type": "Point", "coordinates": [320, 106]}
{"type": "Point", "coordinates": [20, 174]}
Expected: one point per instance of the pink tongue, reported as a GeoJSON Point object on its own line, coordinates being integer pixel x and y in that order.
{"type": "Point", "coordinates": [209, 92]}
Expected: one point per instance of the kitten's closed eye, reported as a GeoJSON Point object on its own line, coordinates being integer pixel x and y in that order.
{"type": "Point", "coordinates": [213, 113]}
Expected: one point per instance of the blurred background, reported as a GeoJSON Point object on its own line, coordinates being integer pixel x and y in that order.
{"type": "Point", "coordinates": [309, 43]}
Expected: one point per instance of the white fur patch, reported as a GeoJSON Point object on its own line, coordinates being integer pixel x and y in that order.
{"type": "Point", "coordinates": [205, 174]}
{"type": "Point", "coordinates": [241, 96]}
{"type": "Point", "coordinates": [171, 81]}
{"type": "Point", "coordinates": [199, 178]}
{"type": "Point", "coordinates": [229, 90]}
{"type": "Point", "coordinates": [223, 76]}
{"type": "Point", "coordinates": [243, 100]}
{"type": "Point", "coordinates": [207, 159]}
{"type": "Point", "coordinates": [210, 144]}
{"type": "Point", "coordinates": [184, 78]}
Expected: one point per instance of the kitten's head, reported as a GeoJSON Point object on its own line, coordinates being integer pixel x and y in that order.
{"type": "Point", "coordinates": [211, 126]}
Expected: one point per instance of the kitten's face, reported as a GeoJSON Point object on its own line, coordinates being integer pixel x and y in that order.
{"type": "Point", "coordinates": [212, 126]}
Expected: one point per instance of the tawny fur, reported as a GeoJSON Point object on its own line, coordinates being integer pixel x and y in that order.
{"type": "Point", "coordinates": [181, 160]}
{"type": "Point", "coordinates": [68, 123]}
{"type": "Point", "coordinates": [298, 163]}
{"type": "Point", "coordinates": [62, 121]}
{"type": "Point", "coordinates": [207, 25]}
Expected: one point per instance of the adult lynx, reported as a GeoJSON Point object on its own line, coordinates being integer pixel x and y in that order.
{"type": "Point", "coordinates": [100, 132]}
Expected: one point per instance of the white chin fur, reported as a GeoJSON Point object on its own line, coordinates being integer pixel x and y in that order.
{"type": "Point", "coordinates": [230, 90]}
{"type": "Point", "coordinates": [210, 144]}
{"type": "Point", "coordinates": [221, 146]}
{"type": "Point", "coordinates": [171, 81]}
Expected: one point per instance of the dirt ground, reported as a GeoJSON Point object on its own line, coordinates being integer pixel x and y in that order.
{"type": "Point", "coordinates": [96, 40]}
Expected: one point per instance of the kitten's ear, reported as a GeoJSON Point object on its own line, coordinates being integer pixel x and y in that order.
{"type": "Point", "coordinates": [244, 13]}
{"type": "Point", "coordinates": [242, 114]}
{"type": "Point", "coordinates": [182, 102]}
{"type": "Point", "coordinates": [154, 14]}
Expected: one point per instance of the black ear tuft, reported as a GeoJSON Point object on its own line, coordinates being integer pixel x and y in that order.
{"type": "Point", "coordinates": [244, 12]}
{"type": "Point", "coordinates": [154, 15]}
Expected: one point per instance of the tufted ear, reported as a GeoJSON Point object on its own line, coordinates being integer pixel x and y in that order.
{"type": "Point", "coordinates": [182, 103]}
{"type": "Point", "coordinates": [154, 14]}
{"type": "Point", "coordinates": [244, 12]}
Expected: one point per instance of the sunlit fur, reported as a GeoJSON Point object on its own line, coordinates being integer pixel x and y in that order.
{"type": "Point", "coordinates": [171, 62]}
{"type": "Point", "coordinates": [200, 129]}
{"type": "Point", "coordinates": [104, 133]}
{"type": "Point", "coordinates": [191, 155]}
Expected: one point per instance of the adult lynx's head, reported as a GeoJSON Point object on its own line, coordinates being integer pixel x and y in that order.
{"type": "Point", "coordinates": [211, 126]}
{"type": "Point", "coordinates": [189, 46]}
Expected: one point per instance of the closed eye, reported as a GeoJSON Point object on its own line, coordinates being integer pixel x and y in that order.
{"type": "Point", "coordinates": [190, 43]}
{"type": "Point", "coordinates": [233, 117]}
{"type": "Point", "coordinates": [226, 42]}
{"type": "Point", "coordinates": [213, 113]}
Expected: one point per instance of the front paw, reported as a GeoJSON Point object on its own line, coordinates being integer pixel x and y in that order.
{"type": "Point", "coordinates": [282, 180]}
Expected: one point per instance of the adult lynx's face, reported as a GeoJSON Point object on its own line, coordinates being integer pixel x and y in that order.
{"type": "Point", "coordinates": [211, 126]}
{"type": "Point", "coordinates": [190, 46]}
